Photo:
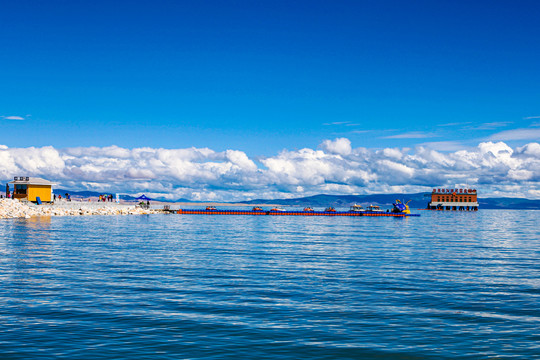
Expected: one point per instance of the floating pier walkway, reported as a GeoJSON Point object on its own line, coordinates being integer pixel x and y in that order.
{"type": "Point", "coordinates": [291, 213]}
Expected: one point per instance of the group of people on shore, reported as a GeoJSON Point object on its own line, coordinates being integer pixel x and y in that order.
{"type": "Point", "coordinates": [105, 198]}
{"type": "Point", "coordinates": [101, 198]}
{"type": "Point", "coordinates": [67, 197]}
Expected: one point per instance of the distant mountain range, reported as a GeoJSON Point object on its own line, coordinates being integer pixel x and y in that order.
{"type": "Point", "coordinates": [87, 194]}
{"type": "Point", "coordinates": [418, 200]}
{"type": "Point", "coordinates": [345, 200]}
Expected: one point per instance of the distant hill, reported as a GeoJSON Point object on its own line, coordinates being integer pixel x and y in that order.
{"type": "Point", "coordinates": [183, 200]}
{"type": "Point", "coordinates": [341, 201]}
{"type": "Point", "coordinates": [418, 201]}
{"type": "Point", "coordinates": [87, 194]}
{"type": "Point", "coordinates": [509, 203]}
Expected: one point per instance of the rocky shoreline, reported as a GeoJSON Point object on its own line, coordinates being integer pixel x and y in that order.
{"type": "Point", "coordinates": [10, 208]}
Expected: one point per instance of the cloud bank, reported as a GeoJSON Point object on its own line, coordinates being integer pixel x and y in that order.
{"type": "Point", "coordinates": [334, 168]}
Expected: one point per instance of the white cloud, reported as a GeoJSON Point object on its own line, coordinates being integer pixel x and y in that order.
{"type": "Point", "coordinates": [411, 135]}
{"type": "Point", "coordinates": [336, 167]}
{"type": "Point", "coordinates": [491, 125]}
{"type": "Point", "coordinates": [240, 159]}
{"type": "Point", "coordinates": [336, 123]}
{"type": "Point", "coordinates": [517, 134]}
{"type": "Point", "coordinates": [12, 118]}
{"type": "Point", "coordinates": [520, 174]}
{"type": "Point", "coordinates": [532, 150]}
{"type": "Point", "coordinates": [444, 145]}
{"type": "Point", "coordinates": [340, 146]}
{"type": "Point", "coordinates": [455, 124]}
{"type": "Point", "coordinates": [396, 169]}
{"type": "Point", "coordinates": [392, 153]}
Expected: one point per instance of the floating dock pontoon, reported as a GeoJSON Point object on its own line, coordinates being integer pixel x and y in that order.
{"type": "Point", "coordinates": [290, 213]}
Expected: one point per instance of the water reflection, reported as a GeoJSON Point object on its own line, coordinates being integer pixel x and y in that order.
{"type": "Point", "coordinates": [273, 287]}
{"type": "Point", "coordinates": [29, 246]}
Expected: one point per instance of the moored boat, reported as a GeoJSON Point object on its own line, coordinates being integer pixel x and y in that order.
{"type": "Point", "coordinates": [374, 208]}
{"type": "Point", "coordinates": [308, 211]}
{"type": "Point", "coordinates": [401, 208]}
{"type": "Point", "coordinates": [356, 208]}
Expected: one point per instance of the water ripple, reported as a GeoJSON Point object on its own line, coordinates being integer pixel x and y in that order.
{"type": "Point", "coordinates": [445, 285]}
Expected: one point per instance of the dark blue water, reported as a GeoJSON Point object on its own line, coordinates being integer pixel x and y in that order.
{"type": "Point", "coordinates": [442, 286]}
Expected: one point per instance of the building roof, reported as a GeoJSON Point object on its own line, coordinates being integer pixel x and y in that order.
{"type": "Point", "coordinates": [31, 181]}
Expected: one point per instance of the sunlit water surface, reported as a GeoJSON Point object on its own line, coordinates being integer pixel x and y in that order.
{"type": "Point", "coordinates": [442, 286]}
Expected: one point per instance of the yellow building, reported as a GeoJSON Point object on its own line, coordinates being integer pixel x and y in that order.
{"type": "Point", "coordinates": [30, 188]}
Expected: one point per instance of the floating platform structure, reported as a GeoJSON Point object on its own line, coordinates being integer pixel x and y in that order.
{"type": "Point", "coordinates": [453, 199]}
{"type": "Point", "coordinates": [290, 213]}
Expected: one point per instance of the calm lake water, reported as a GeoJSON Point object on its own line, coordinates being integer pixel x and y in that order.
{"type": "Point", "coordinates": [442, 286]}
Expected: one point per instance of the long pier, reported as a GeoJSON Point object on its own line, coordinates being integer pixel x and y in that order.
{"type": "Point", "coordinates": [291, 213]}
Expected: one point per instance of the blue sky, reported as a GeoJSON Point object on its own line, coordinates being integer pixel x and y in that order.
{"type": "Point", "coordinates": [263, 76]}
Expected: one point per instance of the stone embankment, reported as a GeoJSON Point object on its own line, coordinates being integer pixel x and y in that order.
{"type": "Point", "coordinates": [15, 209]}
